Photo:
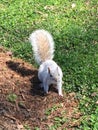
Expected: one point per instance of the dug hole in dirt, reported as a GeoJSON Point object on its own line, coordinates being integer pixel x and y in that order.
{"type": "Point", "coordinates": [23, 104]}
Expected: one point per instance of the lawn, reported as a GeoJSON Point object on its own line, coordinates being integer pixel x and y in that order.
{"type": "Point", "coordinates": [74, 26]}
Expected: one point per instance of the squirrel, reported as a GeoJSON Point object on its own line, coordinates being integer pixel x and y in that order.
{"type": "Point", "coordinates": [43, 48]}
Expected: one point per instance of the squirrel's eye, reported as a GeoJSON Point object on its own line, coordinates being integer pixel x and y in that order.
{"type": "Point", "coordinates": [51, 75]}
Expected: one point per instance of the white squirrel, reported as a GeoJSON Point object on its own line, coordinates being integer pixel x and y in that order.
{"type": "Point", "coordinates": [49, 72]}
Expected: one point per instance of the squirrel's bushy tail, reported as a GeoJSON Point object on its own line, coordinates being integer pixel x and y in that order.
{"type": "Point", "coordinates": [43, 45]}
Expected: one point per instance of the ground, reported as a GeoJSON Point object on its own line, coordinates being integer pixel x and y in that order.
{"type": "Point", "coordinates": [23, 104]}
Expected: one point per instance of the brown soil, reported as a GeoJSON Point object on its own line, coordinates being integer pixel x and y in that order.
{"type": "Point", "coordinates": [31, 107]}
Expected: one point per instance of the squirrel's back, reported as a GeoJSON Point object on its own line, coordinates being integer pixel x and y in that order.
{"type": "Point", "coordinates": [43, 45]}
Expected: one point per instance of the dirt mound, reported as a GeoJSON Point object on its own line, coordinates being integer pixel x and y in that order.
{"type": "Point", "coordinates": [23, 104]}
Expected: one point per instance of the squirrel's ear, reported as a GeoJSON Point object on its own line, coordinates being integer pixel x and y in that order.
{"type": "Point", "coordinates": [48, 70]}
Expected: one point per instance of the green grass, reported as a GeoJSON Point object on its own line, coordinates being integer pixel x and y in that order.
{"type": "Point", "coordinates": [75, 32]}
{"type": "Point", "coordinates": [12, 98]}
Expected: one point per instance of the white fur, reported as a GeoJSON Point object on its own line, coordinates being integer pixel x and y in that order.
{"type": "Point", "coordinates": [45, 78]}
{"type": "Point", "coordinates": [49, 66]}
{"type": "Point", "coordinates": [33, 40]}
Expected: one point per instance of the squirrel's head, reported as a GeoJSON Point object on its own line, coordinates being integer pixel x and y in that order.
{"type": "Point", "coordinates": [53, 75]}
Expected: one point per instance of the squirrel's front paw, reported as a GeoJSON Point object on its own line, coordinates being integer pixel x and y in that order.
{"type": "Point", "coordinates": [60, 94]}
{"type": "Point", "coordinates": [45, 93]}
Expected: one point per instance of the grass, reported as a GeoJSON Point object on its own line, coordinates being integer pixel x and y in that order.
{"type": "Point", "coordinates": [75, 32]}
{"type": "Point", "coordinates": [12, 98]}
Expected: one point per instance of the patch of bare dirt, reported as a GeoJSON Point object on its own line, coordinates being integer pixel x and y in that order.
{"type": "Point", "coordinates": [31, 107]}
